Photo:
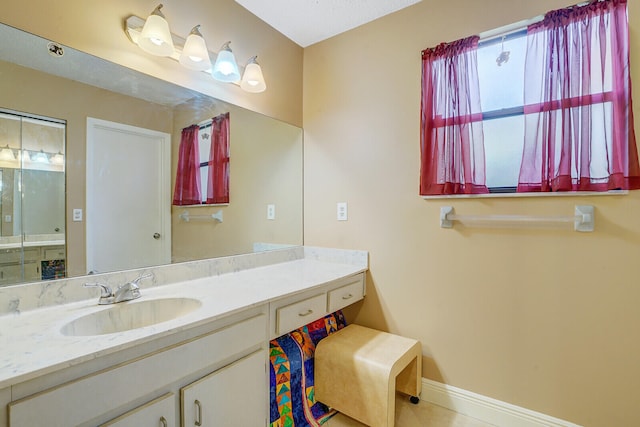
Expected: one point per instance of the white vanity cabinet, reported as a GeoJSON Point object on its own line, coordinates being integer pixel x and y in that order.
{"type": "Point", "coordinates": [160, 412]}
{"type": "Point", "coordinates": [288, 314]}
{"type": "Point", "coordinates": [235, 395]}
{"type": "Point", "coordinates": [5, 398]}
{"type": "Point", "coordinates": [125, 390]}
{"type": "Point", "coordinates": [208, 367]}
{"type": "Point", "coordinates": [13, 261]}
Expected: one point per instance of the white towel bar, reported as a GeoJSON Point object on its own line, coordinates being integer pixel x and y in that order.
{"type": "Point", "coordinates": [583, 218]}
{"type": "Point", "coordinates": [215, 216]}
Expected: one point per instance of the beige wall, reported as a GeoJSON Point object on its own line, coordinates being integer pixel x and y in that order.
{"type": "Point", "coordinates": [98, 28]}
{"type": "Point", "coordinates": [265, 168]}
{"type": "Point", "coordinates": [546, 320]}
{"type": "Point", "coordinates": [38, 93]}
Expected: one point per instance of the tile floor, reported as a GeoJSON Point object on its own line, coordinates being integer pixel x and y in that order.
{"type": "Point", "coordinates": [420, 415]}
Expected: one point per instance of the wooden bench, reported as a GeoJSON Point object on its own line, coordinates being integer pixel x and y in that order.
{"type": "Point", "coordinates": [358, 371]}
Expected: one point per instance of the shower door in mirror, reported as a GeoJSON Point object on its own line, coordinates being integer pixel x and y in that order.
{"type": "Point", "coordinates": [32, 208]}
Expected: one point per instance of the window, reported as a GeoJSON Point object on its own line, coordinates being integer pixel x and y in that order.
{"type": "Point", "coordinates": [207, 182]}
{"type": "Point", "coordinates": [501, 79]}
{"type": "Point", "coordinates": [543, 108]}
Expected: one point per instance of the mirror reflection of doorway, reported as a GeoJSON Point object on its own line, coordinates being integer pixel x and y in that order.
{"type": "Point", "coordinates": [32, 206]}
{"type": "Point", "coordinates": [128, 211]}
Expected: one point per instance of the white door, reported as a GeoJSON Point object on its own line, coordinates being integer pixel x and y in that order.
{"type": "Point", "coordinates": [128, 211]}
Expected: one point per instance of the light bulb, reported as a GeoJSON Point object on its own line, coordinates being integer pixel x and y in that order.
{"type": "Point", "coordinates": [155, 37]}
{"type": "Point", "coordinates": [195, 55]}
{"type": "Point", "coordinates": [226, 69]}
{"type": "Point", "coordinates": [252, 79]}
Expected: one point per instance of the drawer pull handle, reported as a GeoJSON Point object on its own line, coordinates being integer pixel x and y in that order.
{"type": "Point", "coordinates": [306, 313]}
{"type": "Point", "coordinates": [347, 296]}
{"type": "Point", "coordinates": [199, 419]}
{"type": "Point", "coordinates": [163, 422]}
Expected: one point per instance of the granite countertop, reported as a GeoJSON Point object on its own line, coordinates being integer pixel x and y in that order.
{"type": "Point", "coordinates": [31, 343]}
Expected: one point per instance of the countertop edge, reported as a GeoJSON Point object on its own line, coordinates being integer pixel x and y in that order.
{"type": "Point", "coordinates": [265, 290]}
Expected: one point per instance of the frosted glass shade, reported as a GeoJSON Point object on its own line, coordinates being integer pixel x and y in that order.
{"type": "Point", "coordinates": [7, 153]}
{"type": "Point", "coordinates": [155, 37]}
{"type": "Point", "coordinates": [40, 157]}
{"type": "Point", "coordinates": [252, 79]}
{"type": "Point", "coordinates": [195, 55]}
{"type": "Point", "coordinates": [226, 69]}
{"type": "Point", "coordinates": [58, 159]}
{"type": "Point", "coordinates": [23, 156]}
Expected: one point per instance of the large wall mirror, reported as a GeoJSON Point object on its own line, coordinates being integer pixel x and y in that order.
{"type": "Point", "coordinates": [265, 154]}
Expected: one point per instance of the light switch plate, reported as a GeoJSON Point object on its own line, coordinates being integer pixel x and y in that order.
{"type": "Point", "coordinates": [77, 215]}
{"type": "Point", "coordinates": [271, 211]}
{"type": "Point", "coordinates": [342, 211]}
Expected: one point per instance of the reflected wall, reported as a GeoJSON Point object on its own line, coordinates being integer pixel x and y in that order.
{"type": "Point", "coordinates": [256, 140]}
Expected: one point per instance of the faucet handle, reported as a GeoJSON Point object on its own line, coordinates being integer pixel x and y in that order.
{"type": "Point", "coordinates": [105, 291]}
{"type": "Point", "coordinates": [106, 294]}
{"type": "Point", "coordinates": [144, 276]}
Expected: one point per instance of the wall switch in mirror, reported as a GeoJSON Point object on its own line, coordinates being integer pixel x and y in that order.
{"type": "Point", "coordinates": [77, 214]}
{"type": "Point", "coordinates": [271, 211]}
{"type": "Point", "coordinates": [7, 218]}
{"type": "Point", "coordinates": [342, 211]}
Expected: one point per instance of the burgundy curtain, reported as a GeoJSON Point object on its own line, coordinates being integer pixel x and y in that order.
{"type": "Point", "coordinates": [187, 190]}
{"type": "Point", "coordinates": [451, 140]}
{"type": "Point", "coordinates": [218, 188]}
{"type": "Point", "coordinates": [578, 118]}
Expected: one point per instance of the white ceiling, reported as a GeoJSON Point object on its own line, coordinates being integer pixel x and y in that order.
{"type": "Point", "coordinates": [309, 21]}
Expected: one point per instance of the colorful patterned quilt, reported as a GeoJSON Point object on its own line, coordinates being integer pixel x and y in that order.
{"type": "Point", "coordinates": [291, 378]}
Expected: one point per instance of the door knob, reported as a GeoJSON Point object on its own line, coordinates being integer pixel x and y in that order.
{"type": "Point", "coordinates": [156, 236]}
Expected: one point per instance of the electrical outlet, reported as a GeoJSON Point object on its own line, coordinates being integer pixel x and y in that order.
{"type": "Point", "coordinates": [342, 211]}
{"type": "Point", "coordinates": [271, 211]}
{"type": "Point", "coordinates": [77, 215]}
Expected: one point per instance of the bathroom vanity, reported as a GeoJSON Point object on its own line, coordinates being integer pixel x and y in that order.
{"type": "Point", "coordinates": [27, 260]}
{"type": "Point", "coordinates": [191, 351]}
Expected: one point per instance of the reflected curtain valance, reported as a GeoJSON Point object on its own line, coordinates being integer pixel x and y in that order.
{"type": "Point", "coordinates": [218, 180]}
{"type": "Point", "coordinates": [187, 189]}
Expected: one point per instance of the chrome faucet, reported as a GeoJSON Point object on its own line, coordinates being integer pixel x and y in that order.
{"type": "Point", "coordinates": [127, 292]}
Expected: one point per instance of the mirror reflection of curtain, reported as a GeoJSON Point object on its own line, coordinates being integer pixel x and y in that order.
{"type": "Point", "coordinates": [187, 190]}
{"type": "Point", "coordinates": [218, 180]}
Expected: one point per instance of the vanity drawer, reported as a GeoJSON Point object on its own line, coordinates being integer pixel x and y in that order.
{"type": "Point", "coordinates": [347, 294]}
{"type": "Point", "coordinates": [51, 254]}
{"type": "Point", "coordinates": [300, 313]}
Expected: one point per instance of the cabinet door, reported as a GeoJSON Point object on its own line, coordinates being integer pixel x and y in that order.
{"type": "Point", "coordinates": [160, 412]}
{"type": "Point", "coordinates": [234, 396]}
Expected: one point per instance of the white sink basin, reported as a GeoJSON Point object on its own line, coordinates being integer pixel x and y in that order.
{"type": "Point", "coordinates": [126, 316]}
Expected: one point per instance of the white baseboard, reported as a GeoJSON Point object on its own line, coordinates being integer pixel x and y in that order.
{"type": "Point", "coordinates": [486, 409]}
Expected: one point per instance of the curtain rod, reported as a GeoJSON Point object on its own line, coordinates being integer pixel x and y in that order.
{"type": "Point", "coordinates": [506, 30]}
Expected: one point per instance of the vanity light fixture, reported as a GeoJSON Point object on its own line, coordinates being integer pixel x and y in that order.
{"type": "Point", "coordinates": [155, 37]}
{"type": "Point", "coordinates": [226, 68]}
{"type": "Point", "coordinates": [195, 55]}
{"type": "Point", "coordinates": [252, 79]}
{"type": "Point", "coordinates": [7, 154]}
{"type": "Point", "coordinates": [192, 53]}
